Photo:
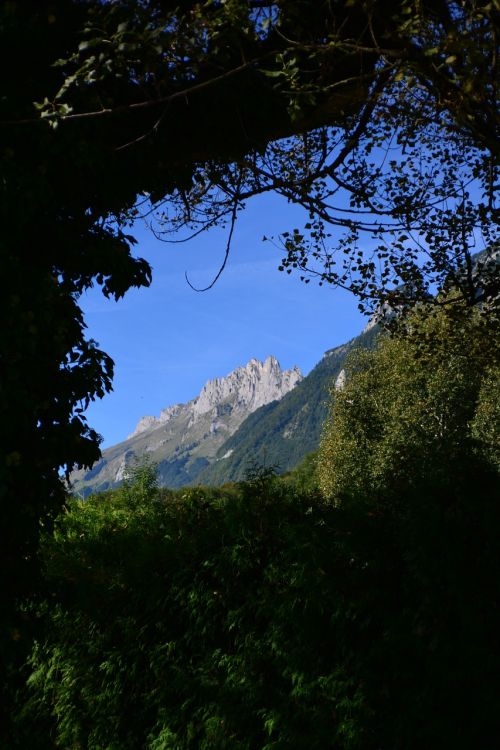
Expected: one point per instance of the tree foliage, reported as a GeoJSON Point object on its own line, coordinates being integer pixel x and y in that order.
{"type": "Point", "coordinates": [398, 182]}
{"type": "Point", "coordinates": [414, 410]}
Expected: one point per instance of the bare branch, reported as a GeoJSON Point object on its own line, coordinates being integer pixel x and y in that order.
{"type": "Point", "coordinates": [226, 255]}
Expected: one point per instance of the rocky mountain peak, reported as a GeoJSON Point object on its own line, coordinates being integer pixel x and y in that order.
{"type": "Point", "coordinates": [248, 387]}
{"type": "Point", "coordinates": [243, 390]}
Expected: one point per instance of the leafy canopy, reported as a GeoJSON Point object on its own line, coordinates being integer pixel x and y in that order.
{"type": "Point", "coordinates": [419, 410]}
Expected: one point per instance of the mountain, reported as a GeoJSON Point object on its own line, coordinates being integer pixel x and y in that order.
{"type": "Point", "coordinates": [185, 438]}
{"type": "Point", "coordinates": [280, 434]}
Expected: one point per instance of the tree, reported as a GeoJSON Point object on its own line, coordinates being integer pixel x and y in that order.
{"type": "Point", "coordinates": [412, 444]}
{"type": "Point", "coordinates": [398, 185]}
{"type": "Point", "coordinates": [417, 411]}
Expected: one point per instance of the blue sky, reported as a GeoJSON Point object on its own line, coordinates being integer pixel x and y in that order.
{"type": "Point", "coordinates": [168, 340]}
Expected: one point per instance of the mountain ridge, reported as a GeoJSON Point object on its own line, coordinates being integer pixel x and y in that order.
{"type": "Point", "coordinates": [185, 437]}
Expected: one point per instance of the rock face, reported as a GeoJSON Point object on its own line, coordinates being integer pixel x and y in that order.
{"type": "Point", "coordinates": [185, 438]}
{"type": "Point", "coordinates": [340, 381]}
{"type": "Point", "coordinates": [150, 423]}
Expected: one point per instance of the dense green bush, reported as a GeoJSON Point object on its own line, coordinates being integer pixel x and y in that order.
{"type": "Point", "coordinates": [199, 620]}
{"type": "Point", "coordinates": [258, 617]}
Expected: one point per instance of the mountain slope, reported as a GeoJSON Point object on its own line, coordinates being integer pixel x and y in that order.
{"type": "Point", "coordinates": [281, 433]}
{"type": "Point", "coordinates": [186, 437]}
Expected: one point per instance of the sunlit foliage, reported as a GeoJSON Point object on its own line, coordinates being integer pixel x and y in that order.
{"type": "Point", "coordinates": [420, 408]}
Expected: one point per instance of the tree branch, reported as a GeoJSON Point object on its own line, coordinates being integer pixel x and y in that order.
{"type": "Point", "coordinates": [226, 255]}
{"type": "Point", "coordinates": [106, 112]}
